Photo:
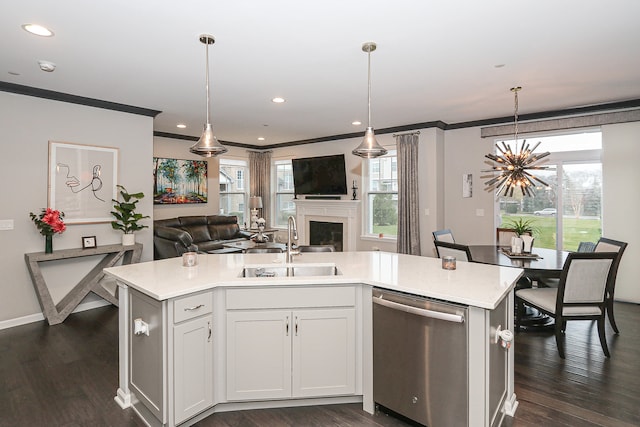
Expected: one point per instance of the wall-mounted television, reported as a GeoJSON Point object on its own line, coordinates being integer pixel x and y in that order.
{"type": "Point", "coordinates": [323, 175]}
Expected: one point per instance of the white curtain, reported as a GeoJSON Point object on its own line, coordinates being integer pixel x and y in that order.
{"type": "Point", "coordinates": [408, 206]}
{"type": "Point", "coordinates": [260, 176]}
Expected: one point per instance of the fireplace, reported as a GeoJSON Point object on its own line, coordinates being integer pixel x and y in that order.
{"type": "Point", "coordinates": [326, 233]}
{"type": "Point", "coordinates": [342, 214]}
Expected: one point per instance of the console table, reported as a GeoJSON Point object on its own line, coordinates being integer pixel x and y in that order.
{"type": "Point", "coordinates": [56, 313]}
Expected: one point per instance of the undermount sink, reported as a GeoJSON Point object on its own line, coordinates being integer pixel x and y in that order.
{"type": "Point", "coordinates": [290, 270]}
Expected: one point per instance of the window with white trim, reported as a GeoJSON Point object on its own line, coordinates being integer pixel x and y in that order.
{"type": "Point", "coordinates": [382, 196]}
{"type": "Point", "coordinates": [284, 205]}
{"type": "Point", "coordinates": [233, 196]}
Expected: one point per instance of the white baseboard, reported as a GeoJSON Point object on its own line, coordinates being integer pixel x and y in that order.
{"type": "Point", "coordinates": [5, 324]}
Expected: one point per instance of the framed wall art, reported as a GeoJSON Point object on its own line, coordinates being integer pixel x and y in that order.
{"type": "Point", "coordinates": [82, 181]}
{"type": "Point", "coordinates": [178, 181]}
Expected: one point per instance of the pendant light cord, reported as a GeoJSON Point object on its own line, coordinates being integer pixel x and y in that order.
{"type": "Point", "coordinates": [369, 87]}
{"type": "Point", "coordinates": [206, 46]}
{"type": "Point", "coordinates": [515, 114]}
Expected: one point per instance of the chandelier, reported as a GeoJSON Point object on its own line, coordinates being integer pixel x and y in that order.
{"type": "Point", "coordinates": [514, 167]}
{"type": "Point", "coordinates": [207, 145]}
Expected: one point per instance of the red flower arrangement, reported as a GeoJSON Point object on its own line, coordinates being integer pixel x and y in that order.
{"type": "Point", "coordinates": [49, 221]}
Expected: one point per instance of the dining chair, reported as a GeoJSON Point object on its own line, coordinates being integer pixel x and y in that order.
{"type": "Point", "coordinates": [460, 252]}
{"type": "Point", "coordinates": [504, 235]}
{"type": "Point", "coordinates": [444, 235]}
{"type": "Point", "coordinates": [610, 245]}
{"type": "Point", "coordinates": [586, 247]}
{"type": "Point", "coordinates": [580, 295]}
{"type": "Point", "coordinates": [264, 251]}
{"type": "Point", "coordinates": [316, 248]}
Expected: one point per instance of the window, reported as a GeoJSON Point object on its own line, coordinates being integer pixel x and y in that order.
{"type": "Point", "coordinates": [240, 179]}
{"type": "Point", "coordinates": [569, 210]}
{"type": "Point", "coordinates": [382, 196]}
{"type": "Point", "coordinates": [232, 189]}
{"type": "Point", "coordinates": [284, 204]}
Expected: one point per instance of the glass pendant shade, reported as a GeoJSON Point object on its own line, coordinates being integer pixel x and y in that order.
{"type": "Point", "coordinates": [369, 147]}
{"type": "Point", "coordinates": [207, 145]}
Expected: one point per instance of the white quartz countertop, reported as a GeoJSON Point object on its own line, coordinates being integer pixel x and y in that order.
{"type": "Point", "coordinates": [472, 284]}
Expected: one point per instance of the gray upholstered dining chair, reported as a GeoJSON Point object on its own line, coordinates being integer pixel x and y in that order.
{"type": "Point", "coordinates": [504, 235]}
{"type": "Point", "coordinates": [264, 251]}
{"type": "Point", "coordinates": [460, 252]}
{"type": "Point", "coordinates": [444, 235]}
{"type": "Point", "coordinates": [581, 295]}
{"type": "Point", "coordinates": [610, 245]}
{"type": "Point", "coordinates": [316, 248]}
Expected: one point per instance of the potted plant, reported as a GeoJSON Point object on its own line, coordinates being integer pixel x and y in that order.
{"type": "Point", "coordinates": [524, 228]}
{"type": "Point", "coordinates": [127, 220]}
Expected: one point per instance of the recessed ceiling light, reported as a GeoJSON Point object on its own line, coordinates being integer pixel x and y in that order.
{"type": "Point", "coordinates": [47, 66]}
{"type": "Point", "coordinates": [181, 125]}
{"type": "Point", "coordinates": [278, 100]}
{"type": "Point", "coordinates": [356, 123]}
{"type": "Point", "coordinates": [261, 138]}
{"type": "Point", "coordinates": [38, 30]}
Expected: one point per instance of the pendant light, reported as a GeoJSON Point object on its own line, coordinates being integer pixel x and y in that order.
{"type": "Point", "coordinates": [369, 147]}
{"type": "Point", "coordinates": [207, 145]}
{"type": "Point", "coordinates": [514, 166]}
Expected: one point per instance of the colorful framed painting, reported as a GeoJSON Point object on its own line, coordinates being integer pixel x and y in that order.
{"type": "Point", "coordinates": [82, 181]}
{"type": "Point", "coordinates": [178, 181]}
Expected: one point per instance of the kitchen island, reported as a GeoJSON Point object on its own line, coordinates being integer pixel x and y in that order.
{"type": "Point", "coordinates": [196, 340]}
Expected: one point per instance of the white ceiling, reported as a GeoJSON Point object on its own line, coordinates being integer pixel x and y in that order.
{"type": "Point", "coordinates": [436, 60]}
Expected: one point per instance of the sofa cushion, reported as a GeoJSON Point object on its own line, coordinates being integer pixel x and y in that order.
{"type": "Point", "coordinates": [197, 227]}
{"type": "Point", "coordinates": [223, 227]}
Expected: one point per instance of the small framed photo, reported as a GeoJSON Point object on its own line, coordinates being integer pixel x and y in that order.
{"type": "Point", "coordinates": [89, 242]}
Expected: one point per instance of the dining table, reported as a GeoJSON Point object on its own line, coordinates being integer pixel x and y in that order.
{"type": "Point", "coordinates": [540, 264]}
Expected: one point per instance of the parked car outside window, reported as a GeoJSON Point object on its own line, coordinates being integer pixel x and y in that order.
{"type": "Point", "coordinates": [546, 211]}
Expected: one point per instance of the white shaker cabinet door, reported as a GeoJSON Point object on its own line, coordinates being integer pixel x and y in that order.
{"type": "Point", "coordinates": [193, 367]}
{"type": "Point", "coordinates": [258, 354]}
{"type": "Point", "coordinates": [324, 352]}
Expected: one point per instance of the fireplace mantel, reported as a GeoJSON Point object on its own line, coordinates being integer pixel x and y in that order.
{"type": "Point", "coordinates": [346, 212]}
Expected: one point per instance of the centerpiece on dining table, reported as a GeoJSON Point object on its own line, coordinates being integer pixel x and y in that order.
{"type": "Point", "coordinates": [522, 243]}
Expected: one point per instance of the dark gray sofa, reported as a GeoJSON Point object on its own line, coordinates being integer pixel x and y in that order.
{"type": "Point", "coordinates": [174, 236]}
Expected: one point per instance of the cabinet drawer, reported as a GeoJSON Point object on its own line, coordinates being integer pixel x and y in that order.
{"type": "Point", "coordinates": [291, 297]}
{"type": "Point", "coordinates": [191, 306]}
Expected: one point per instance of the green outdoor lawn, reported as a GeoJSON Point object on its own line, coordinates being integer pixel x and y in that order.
{"type": "Point", "coordinates": [576, 230]}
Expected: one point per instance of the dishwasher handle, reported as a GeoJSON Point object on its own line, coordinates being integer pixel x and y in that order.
{"type": "Point", "coordinates": [456, 318]}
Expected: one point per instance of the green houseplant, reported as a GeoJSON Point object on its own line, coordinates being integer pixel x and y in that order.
{"type": "Point", "coordinates": [522, 226]}
{"type": "Point", "coordinates": [127, 220]}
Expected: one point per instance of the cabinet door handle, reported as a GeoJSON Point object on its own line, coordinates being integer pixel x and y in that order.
{"type": "Point", "coordinates": [195, 307]}
{"type": "Point", "coordinates": [209, 326]}
{"type": "Point", "coordinates": [296, 325]}
{"type": "Point", "coordinates": [287, 326]}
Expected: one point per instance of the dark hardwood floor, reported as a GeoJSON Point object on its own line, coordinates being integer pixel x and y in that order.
{"type": "Point", "coordinates": [66, 375]}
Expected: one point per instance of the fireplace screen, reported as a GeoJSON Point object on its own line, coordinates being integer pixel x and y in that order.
{"type": "Point", "coordinates": [326, 233]}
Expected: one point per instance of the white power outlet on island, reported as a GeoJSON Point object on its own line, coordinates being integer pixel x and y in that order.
{"type": "Point", "coordinates": [6, 224]}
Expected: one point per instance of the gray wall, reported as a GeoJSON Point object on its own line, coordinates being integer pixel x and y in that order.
{"type": "Point", "coordinates": [26, 126]}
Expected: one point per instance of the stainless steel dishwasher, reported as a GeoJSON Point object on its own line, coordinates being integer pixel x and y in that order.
{"type": "Point", "coordinates": [420, 355]}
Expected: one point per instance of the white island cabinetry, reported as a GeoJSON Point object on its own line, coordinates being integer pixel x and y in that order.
{"type": "Point", "coordinates": [279, 347]}
{"type": "Point", "coordinates": [220, 341]}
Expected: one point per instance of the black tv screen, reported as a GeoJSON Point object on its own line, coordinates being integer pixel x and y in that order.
{"type": "Point", "coordinates": [320, 175]}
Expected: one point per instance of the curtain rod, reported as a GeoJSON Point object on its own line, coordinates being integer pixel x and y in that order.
{"type": "Point", "coordinates": [407, 133]}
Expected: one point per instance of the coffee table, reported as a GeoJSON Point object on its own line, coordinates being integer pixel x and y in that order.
{"type": "Point", "coordinates": [250, 244]}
